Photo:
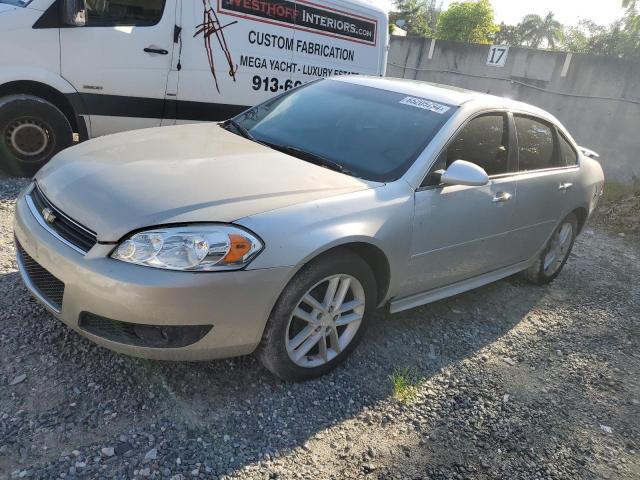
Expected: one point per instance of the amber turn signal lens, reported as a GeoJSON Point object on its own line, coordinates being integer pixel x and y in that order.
{"type": "Point", "coordinates": [240, 246]}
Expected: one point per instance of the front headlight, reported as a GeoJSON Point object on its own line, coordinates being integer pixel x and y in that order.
{"type": "Point", "coordinates": [199, 248]}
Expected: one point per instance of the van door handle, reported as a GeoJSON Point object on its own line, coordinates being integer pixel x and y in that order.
{"type": "Point", "coordinates": [159, 51]}
{"type": "Point", "coordinates": [501, 197]}
{"type": "Point", "coordinates": [565, 186]}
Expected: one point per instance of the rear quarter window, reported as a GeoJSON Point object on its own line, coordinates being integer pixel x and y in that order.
{"type": "Point", "coordinates": [568, 155]}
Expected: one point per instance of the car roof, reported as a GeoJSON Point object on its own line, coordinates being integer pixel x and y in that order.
{"type": "Point", "coordinates": [441, 93]}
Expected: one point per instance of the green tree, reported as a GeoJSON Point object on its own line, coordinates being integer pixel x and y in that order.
{"type": "Point", "coordinates": [620, 39]}
{"type": "Point", "coordinates": [589, 37]}
{"type": "Point", "coordinates": [508, 35]}
{"type": "Point", "coordinates": [417, 17]}
{"type": "Point", "coordinates": [470, 21]}
{"type": "Point", "coordinates": [577, 39]}
{"type": "Point", "coordinates": [630, 35]}
{"type": "Point", "coordinates": [536, 30]}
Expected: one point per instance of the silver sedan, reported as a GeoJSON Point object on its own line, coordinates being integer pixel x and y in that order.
{"type": "Point", "coordinates": [279, 231]}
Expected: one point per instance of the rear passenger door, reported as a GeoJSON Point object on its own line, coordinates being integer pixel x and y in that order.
{"type": "Point", "coordinates": [548, 166]}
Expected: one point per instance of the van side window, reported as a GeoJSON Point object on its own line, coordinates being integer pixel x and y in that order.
{"type": "Point", "coordinates": [114, 13]}
{"type": "Point", "coordinates": [536, 144]}
{"type": "Point", "coordinates": [568, 154]}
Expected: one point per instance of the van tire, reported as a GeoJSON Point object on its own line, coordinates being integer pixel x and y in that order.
{"type": "Point", "coordinates": [32, 131]}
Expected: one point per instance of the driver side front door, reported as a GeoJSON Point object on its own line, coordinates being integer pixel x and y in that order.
{"type": "Point", "coordinates": [460, 231]}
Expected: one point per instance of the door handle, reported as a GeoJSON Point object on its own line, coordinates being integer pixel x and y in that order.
{"type": "Point", "coordinates": [565, 186]}
{"type": "Point", "coordinates": [159, 51]}
{"type": "Point", "coordinates": [501, 197]}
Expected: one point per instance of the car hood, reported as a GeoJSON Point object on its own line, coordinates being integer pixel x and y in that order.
{"type": "Point", "coordinates": [190, 173]}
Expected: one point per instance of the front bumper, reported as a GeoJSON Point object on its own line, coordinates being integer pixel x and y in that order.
{"type": "Point", "coordinates": [237, 304]}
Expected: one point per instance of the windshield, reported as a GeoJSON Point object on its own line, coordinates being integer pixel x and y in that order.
{"type": "Point", "coordinates": [367, 132]}
{"type": "Point", "coordinates": [17, 3]}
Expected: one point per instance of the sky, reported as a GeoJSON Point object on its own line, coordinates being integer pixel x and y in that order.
{"type": "Point", "coordinates": [567, 12]}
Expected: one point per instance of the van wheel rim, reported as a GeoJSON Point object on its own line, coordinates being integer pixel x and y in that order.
{"type": "Point", "coordinates": [325, 320]}
{"type": "Point", "coordinates": [560, 243]}
{"type": "Point", "coordinates": [28, 138]}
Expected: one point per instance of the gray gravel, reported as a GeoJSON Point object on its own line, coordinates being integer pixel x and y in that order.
{"type": "Point", "coordinates": [511, 381]}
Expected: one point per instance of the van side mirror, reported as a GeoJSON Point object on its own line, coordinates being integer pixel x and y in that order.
{"type": "Point", "coordinates": [74, 13]}
{"type": "Point", "coordinates": [462, 172]}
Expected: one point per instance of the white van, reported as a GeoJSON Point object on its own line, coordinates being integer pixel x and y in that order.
{"type": "Point", "coordinates": [95, 67]}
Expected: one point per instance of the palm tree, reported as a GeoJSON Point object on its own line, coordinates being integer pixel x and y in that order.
{"type": "Point", "coordinates": [508, 35]}
{"type": "Point", "coordinates": [536, 30]}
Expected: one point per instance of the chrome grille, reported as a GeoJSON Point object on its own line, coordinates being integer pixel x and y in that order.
{"type": "Point", "coordinates": [44, 284]}
{"type": "Point", "coordinates": [64, 227]}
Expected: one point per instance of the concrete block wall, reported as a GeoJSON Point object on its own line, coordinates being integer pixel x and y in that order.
{"type": "Point", "coordinates": [596, 98]}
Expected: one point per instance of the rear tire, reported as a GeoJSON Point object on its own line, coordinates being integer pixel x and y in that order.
{"type": "Point", "coordinates": [337, 328]}
{"type": "Point", "coordinates": [551, 260]}
{"type": "Point", "coordinates": [32, 131]}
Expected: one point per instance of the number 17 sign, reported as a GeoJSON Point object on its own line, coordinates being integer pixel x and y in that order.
{"type": "Point", "coordinates": [497, 55]}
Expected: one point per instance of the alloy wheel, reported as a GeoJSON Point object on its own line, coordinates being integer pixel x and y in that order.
{"type": "Point", "coordinates": [325, 320]}
{"type": "Point", "coordinates": [560, 244]}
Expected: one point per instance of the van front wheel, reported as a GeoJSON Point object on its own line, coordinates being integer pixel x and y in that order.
{"type": "Point", "coordinates": [32, 131]}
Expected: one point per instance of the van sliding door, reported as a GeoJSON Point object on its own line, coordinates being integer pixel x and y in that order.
{"type": "Point", "coordinates": [337, 38]}
{"type": "Point", "coordinates": [234, 54]}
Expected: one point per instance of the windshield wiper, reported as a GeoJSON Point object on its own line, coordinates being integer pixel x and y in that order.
{"type": "Point", "coordinates": [310, 157]}
{"type": "Point", "coordinates": [239, 128]}
{"type": "Point", "coordinates": [291, 150]}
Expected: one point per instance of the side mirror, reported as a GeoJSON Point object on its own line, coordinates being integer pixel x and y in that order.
{"type": "Point", "coordinates": [74, 13]}
{"type": "Point", "coordinates": [462, 172]}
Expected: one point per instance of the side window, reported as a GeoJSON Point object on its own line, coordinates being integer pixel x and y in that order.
{"type": "Point", "coordinates": [536, 144]}
{"type": "Point", "coordinates": [138, 13]}
{"type": "Point", "coordinates": [483, 141]}
{"type": "Point", "coordinates": [567, 153]}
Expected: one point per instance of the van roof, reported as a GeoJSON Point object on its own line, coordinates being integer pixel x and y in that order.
{"type": "Point", "coordinates": [437, 92]}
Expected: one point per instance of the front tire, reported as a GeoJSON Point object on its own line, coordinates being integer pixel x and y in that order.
{"type": "Point", "coordinates": [555, 254]}
{"type": "Point", "coordinates": [32, 131]}
{"type": "Point", "coordinates": [319, 318]}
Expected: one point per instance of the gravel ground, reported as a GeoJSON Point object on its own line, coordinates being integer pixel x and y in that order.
{"type": "Point", "coordinates": [508, 381]}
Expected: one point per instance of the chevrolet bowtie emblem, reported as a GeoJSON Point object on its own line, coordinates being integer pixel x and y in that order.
{"type": "Point", "coordinates": [48, 215]}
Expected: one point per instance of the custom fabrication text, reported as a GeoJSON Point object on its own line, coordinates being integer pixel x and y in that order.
{"type": "Point", "coordinates": [302, 46]}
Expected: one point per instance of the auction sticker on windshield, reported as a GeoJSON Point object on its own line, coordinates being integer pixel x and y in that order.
{"type": "Point", "coordinates": [425, 104]}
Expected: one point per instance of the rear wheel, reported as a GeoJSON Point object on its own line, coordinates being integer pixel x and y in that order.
{"type": "Point", "coordinates": [319, 319]}
{"type": "Point", "coordinates": [32, 131]}
{"type": "Point", "coordinates": [555, 254]}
